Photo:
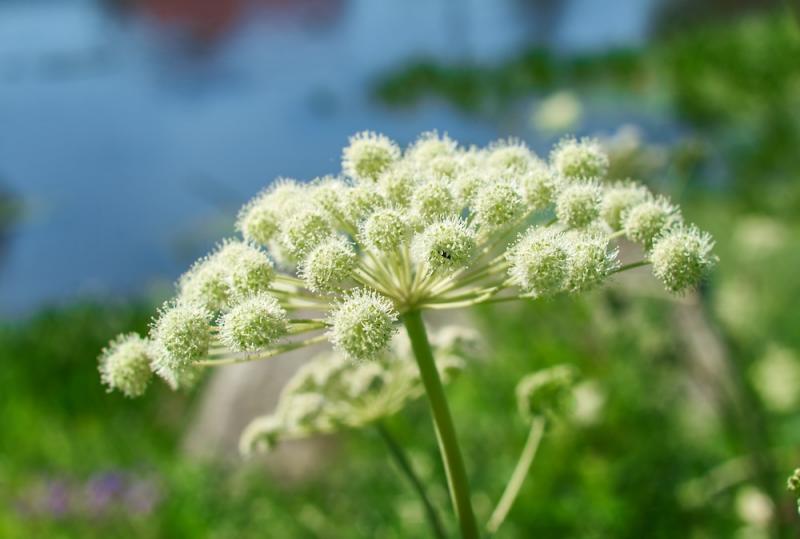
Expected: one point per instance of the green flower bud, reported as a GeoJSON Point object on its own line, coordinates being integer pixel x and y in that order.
{"type": "Point", "coordinates": [682, 257]}
{"type": "Point", "coordinates": [367, 155]}
{"type": "Point", "coordinates": [261, 435]}
{"type": "Point", "coordinates": [445, 245]}
{"type": "Point", "coordinates": [125, 365]}
{"type": "Point", "coordinates": [385, 230]}
{"type": "Point", "coordinates": [578, 204]}
{"type": "Point", "coordinates": [589, 260]}
{"type": "Point", "coordinates": [620, 198]}
{"type": "Point", "coordinates": [546, 392]}
{"type": "Point", "coordinates": [248, 269]}
{"type": "Point", "coordinates": [538, 262]}
{"type": "Point", "coordinates": [181, 335]}
{"type": "Point", "coordinates": [433, 200]}
{"type": "Point", "coordinates": [496, 204]}
{"type": "Point", "coordinates": [538, 185]}
{"type": "Point", "coordinates": [649, 219]}
{"type": "Point", "coordinates": [585, 159]}
{"type": "Point", "coordinates": [253, 324]}
{"type": "Point", "coordinates": [362, 325]}
{"type": "Point", "coordinates": [304, 230]}
{"type": "Point", "coordinates": [329, 264]}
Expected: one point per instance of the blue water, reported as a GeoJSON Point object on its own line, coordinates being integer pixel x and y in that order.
{"type": "Point", "coordinates": [131, 150]}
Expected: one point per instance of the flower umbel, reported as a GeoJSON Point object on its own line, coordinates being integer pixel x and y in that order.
{"type": "Point", "coordinates": [392, 234]}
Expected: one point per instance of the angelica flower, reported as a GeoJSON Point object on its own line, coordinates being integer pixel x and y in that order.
{"type": "Point", "coordinates": [645, 221]}
{"type": "Point", "coordinates": [682, 257]}
{"type": "Point", "coordinates": [618, 199]}
{"type": "Point", "coordinates": [367, 155]}
{"type": "Point", "coordinates": [362, 325]}
{"type": "Point", "coordinates": [180, 334]}
{"type": "Point", "coordinates": [538, 263]}
{"type": "Point", "coordinates": [205, 284]}
{"type": "Point", "coordinates": [444, 245]}
{"type": "Point", "coordinates": [385, 230]}
{"type": "Point", "coordinates": [125, 365]}
{"type": "Point", "coordinates": [329, 265]}
{"type": "Point", "coordinates": [429, 146]}
{"type": "Point", "coordinates": [247, 269]}
{"type": "Point", "coordinates": [575, 159]}
{"type": "Point", "coordinates": [511, 156]}
{"type": "Point", "coordinates": [538, 184]}
{"type": "Point", "coordinates": [304, 230]}
{"type": "Point", "coordinates": [497, 204]}
{"type": "Point", "coordinates": [578, 204]}
{"type": "Point", "coordinates": [589, 260]}
{"type": "Point", "coordinates": [253, 324]}
{"type": "Point", "coordinates": [433, 199]}
{"type": "Point", "coordinates": [259, 220]}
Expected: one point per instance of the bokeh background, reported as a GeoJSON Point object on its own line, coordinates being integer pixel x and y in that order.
{"type": "Point", "coordinates": [132, 130]}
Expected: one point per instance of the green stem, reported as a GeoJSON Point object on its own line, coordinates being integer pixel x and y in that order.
{"type": "Point", "coordinates": [518, 476]}
{"type": "Point", "coordinates": [404, 464]}
{"type": "Point", "coordinates": [443, 423]}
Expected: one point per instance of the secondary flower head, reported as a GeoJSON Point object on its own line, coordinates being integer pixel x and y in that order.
{"type": "Point", "coordinates": [618, 199]}
{"type": "Point", "coordinates": [362, 325]}
{"type": "Point", "coordinates": [429, 146]}
{"type": "Point", "coordinates": [385, 230]}
{"type": "Point", "coordinates": [254, 323]}
{"type": "Point", "coordinates": [510, 157]}
{"type": "Point", "coordinates": [397, 184]}
{"type": "Point", "coordinates": [578, 204]}
{"type": "Point", "coordinates": [497, 204]}
{"type": "Point", "coordinates": [180, 334]}
{"type": "Point", "coordinates": [590, 261]}
{"type": "Point", "coordinates": [433, 199]}
{"type": "Point", "coordinates": [259, 220]}
{"type": "Point", "coordinates": [645, 221]}
{"type": "Point", "coordinates": [304, 230]}
{"type": "Point", "coordinates": [246, 268]}
{"type": "Point", "coordinates": [546, 392]}
{"type": "Point", "coordinates": [125, 365]}
{"type": "Point", "coordinates": [538, 185]}
{"type": "Point", "coordinates": [329, 265]}
{"type": "Point", "coordinates": [538, 263]}
{"type": "Point", "coordinates": [444, 245]}
{"type": "Point", "coordinates": [367, 155]}
{"type": "Point", "coordinates": [682, 257]}
{"type": "Point", "coordinates": [574, 159]}
{"type": "Point", "coordinates": [206, 284]}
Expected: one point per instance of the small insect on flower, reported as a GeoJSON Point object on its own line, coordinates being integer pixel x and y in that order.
{"type": "Point", "coordinates": [367, 155]}
{"type": "Point", "coordinates": [575, 159]}
{"type": "Point", "coordinates": [445, 245]}
{"type": "Point", "coordinates": [329, 264]}
{"type": "Point", "coordinates": [125, 365]}
{"type": "Point", "coordinates": [362, 324]}
{"type": "Point", "coordinates": [682, 257]}
{"type": "Point", "coordinates": [253, 324]}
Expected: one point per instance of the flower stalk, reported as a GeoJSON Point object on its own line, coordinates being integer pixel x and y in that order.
{"type": "Point", "coordinates": [443, 424]}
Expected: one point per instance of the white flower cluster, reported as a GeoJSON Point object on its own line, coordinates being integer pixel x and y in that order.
{"type": "Point", "coordinates": [331, 392]}
{"type": "Point", "coordinates": [434, 226]}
